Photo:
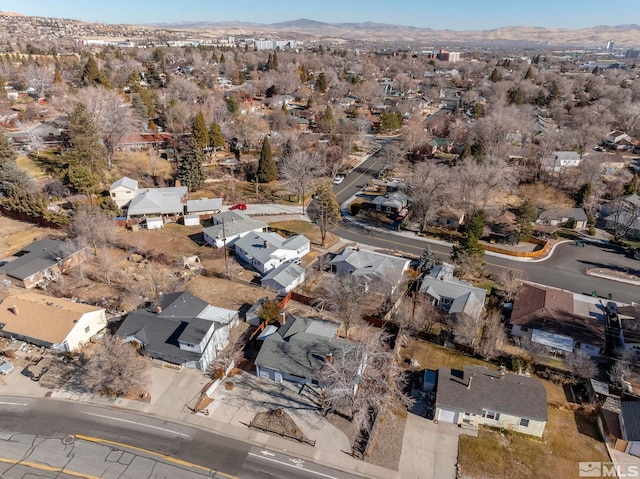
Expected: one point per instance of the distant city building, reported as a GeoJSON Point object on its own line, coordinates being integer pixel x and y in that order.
{"type": "Point", "coordinates": [610, 44]}
{"type": "Point", "coordinates": [275, 44]}
{"type": "Point", "coordinates": [632, 54]}
{"type": "Point", "coordinates": [450, 57]}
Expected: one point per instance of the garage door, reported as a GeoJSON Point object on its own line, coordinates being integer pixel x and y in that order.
{"type": "Point", "coordinates": [268, 373]}
{"type": "Point", "coordinates": [447, 416]}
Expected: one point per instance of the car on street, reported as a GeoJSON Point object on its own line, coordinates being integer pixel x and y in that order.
{"type": "Point", "coordinates": [239, 206]}
{"type": "Point", "coordinates": [612, 309]}
{"type": "Point", "coordinates": [338, 179]}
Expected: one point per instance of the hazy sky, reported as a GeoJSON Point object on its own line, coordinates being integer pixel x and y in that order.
{"type": "Point", "coordinates": [437, 14]}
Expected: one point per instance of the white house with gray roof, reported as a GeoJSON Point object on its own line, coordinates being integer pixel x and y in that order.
{"type": "Point", "coordinates": [450, 295]}
{"type": "Point", "coordinates": [479, 396]}
{"type": "Point", "coordinates": [181, 329]}
{"type": "Point", "coordinates": [229, 226]}
{"type": "Point", "coordinates": [123, 191]}
{"type": "Point", "coordinates": [283, 278]}
{"type": "Point", "coordinates": [266, 251]}
{"type": "Point", "coordinates": [370, 265]}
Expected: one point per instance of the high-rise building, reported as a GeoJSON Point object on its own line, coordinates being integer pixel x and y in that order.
{"type": "Point", "coordinates": [632, 53]}
{"type": "Point", "coordinates": [450, 57]}
{"type": "Point", "coordinates": [610, 45]}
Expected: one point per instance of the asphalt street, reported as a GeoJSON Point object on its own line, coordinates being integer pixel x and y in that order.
{"type": "Point", "coordinates": [51, 438]}
{"type": "Point", "coordinates": [565, 269]}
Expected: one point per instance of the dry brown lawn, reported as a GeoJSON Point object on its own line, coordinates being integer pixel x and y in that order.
{"type": "Point", "coordinates": [15, 235]}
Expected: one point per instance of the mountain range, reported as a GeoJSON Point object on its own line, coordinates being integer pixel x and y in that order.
{"type": "Point", "coordinates": [623, 35]}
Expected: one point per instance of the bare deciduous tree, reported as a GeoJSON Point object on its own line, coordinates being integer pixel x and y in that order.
{"type": "Point", "coordinates": [581, 365]}
{"type": "Point", "coordinates": [91, 227]}
{"type": "Point", "coordinates": [366, 377]}
{"type": "Point", "coordinates": [510, 280]}
{"type": "Point", "coordinates": [345, 295]}
{"type": "Point", "coordinates": [619, 372]}
{"type": "Point", "coordinates": [493, 337]}
{"type": "Point", "coordinates": [114, 368]}
{"type": "Point", "coordinates": [299, 169]}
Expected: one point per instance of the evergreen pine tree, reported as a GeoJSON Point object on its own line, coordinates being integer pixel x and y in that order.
{"type": "Point", "coordinates": [7, 155]}
{"type": "Point", "coordinates": [529, 74]}
{"type": "Point", "coordinates": [267, 169]}
{"type": "Point", "coordinates": [57, 76]}
{"type": "Point", "coordinates": [583, 193]}
{"type": "Point", "coordinates": [496, 76]}
{"type": "Point", "coordinates": [216, 139]}
{"type": "Point", "coordinates": [427, 261]}
{"type": "Point", "coordinates": [274, 60]}
{"type": "Point", "coordinates": [469, 244]}
{"type": "Point", "coordinates": [222, 58]}
{"type": "Point", "coordinates": [92, 76]}
{"type": "Point", "coordinates": [287, 148]}
{"type": "Point", "coordinates": [321, 83]}
{"type": "Point", "coordinates": [200, 132]}
{"type": "Point", "coordinates": [526, 215]}
{"type": "Point", "coordinates": [190, 172]}
{"type": "Point", "coordinates": [86, 148]}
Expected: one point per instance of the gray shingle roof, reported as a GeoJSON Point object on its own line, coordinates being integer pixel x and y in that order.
{"type": "Point", "coordinates": [630, 411]}
{"type": "Point", "coordinates": [515, 395]}
{"type": "Point", "coordinates": [440, 283]}
{"type": "Point", "coordinates": [235, 223]}
{"type": "Point", "coordinates": [264, 246]}
{"type": "Point", "coordinates": [205, 204]}
{"type": "Point", "coordinates": [370, 264]}
{"type": "Point", "coordinates": [158, 201]}
{"type": "Point", "coordinates": [161, 332]}
{"type": "Point", "coordinates": [577, 214]}
{"type": "Point", "coordinates": [38, 256]}
{"type": "Point", "coordinates": [126, 182]}
{"type": "Point", "coordinates": [294, 350]}
{"type": "Point", "coordinates": [284, 275]}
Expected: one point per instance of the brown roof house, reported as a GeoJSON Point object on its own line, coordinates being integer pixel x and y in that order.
{"type": "Point", "coordinates": [558, 320]}
{"type": "Point", "coordinates": [55, 323]}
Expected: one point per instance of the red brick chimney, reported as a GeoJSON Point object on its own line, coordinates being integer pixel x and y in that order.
{"type": "Point", "coordinates": [283, 318]}
{"type": "Point", "coordinates": [14, 309]}
{"type": "Point", "coordinates": [328, 357]}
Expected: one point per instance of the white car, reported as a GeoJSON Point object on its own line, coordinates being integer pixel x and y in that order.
{"type": "Point", "coordinates": [337, 180]}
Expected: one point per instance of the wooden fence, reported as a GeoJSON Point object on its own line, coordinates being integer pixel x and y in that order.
{"type": "Point", "coordinates": [522, 254]}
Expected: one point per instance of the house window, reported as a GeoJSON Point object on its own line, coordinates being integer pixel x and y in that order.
{"type": "Point", "coordinates": [495, 416]}
{"type": "Point", "coordinates": [524, 422]}
{"type": "Point", "coordinates": [444, 304]}
{"type": "Point", "coordinates": [87, 329]}
{"type": "Point", "coordinates": [378, 208]}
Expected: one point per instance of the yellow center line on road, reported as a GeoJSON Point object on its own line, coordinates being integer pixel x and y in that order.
{"type": "Point", "coordinates": [44, 467]}
{"type": "Point", "coordinates": [146, 451]}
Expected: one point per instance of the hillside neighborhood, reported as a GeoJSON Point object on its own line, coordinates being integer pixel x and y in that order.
{"type": "Point", "coordinates": [401, 263]}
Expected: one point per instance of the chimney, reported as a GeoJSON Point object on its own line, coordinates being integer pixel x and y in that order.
{"type": "Point", "coordinates": [266, 244]}
{"type": "Point", "coordinates": [283, 318]}
{"type": "Point", "coordinates": [328, 357]}
{"type": "Point", "coordinates": [158, 309]}
{"type": "Point", "coordinates": [14, 309]}
{"type": "Point", "coordinates": [469, 385]}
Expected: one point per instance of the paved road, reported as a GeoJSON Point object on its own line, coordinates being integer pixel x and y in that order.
{"type": "Point", "coordinates": [51, 438]}
{"type": "Point", "coordinates": [565, 269]}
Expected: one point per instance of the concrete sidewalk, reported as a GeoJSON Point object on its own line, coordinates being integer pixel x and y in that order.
{"type": "Point", "coordinates": [173, 395]}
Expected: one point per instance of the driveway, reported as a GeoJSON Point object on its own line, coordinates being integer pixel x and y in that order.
{"type": "Point", "coordinates": [430, 450]}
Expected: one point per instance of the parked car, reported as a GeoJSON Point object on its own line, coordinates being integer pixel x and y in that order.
{"type": "Point", "coordinates": [239, 206]}
{"type": "Point", "coordinates": [338, 179]}
{"type": "Point", "coordinates": [612, 309]}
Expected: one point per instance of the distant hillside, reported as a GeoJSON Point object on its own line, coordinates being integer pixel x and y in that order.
{"type": "Point", "coordinates": [623, 35]}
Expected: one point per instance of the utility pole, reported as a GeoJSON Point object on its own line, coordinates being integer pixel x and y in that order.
{"type": "Point", "coordinates": [224, 248]}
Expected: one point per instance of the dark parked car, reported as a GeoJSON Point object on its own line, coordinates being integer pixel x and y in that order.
{"type": "Point", "coordinates": [612, 309]}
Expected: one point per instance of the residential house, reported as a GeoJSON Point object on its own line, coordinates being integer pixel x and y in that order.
{"type": "Point", "coordinates": [283, 278]}
{"type": "Point", "coordinates": [42, 260]}
{"type": "Point", "coordinates": [180, 329]}
{"type": "Point", "coordinates": [298, 350]}
{"type": "Point", "coordinates": [265, 251]}
{"type": "Point", "coordinates": [560, 160]}
{"type": "Point", "coordinates": [618, 140]}
{"type": "Point", "coordinates": [55, 323]}
{"type": "Point", "coordinates": [558, 320]}
{"type": "Point", "coordinates": [447, 217]}
{"type": "Point", "coordinates": [370, 265]}
{"type": "Point", "coordinates": [439, 145]}
{"type": "Point", "coordinates": [477, 396]}
{"type": "Point", "coordinates": [229, 226]}
{"type": "Point", "coordinates": [123, 191]}
{"type": "Point", "coordinates": [298, 123]}
{"type": "Point", "coordinates": [453, 297]}
{"type": "Point", "coordinates": [203, 206]}
{"type": "Point", "coordinates": [563, 216]}
{"type": "Point", "coordinates": [629, 418]}
{"type": "Point", "coordinates": [158, 202]}
{"type": "Point", "coordinates": [391, 203]}
{"type": "Point", "coordinates": [623, 215]}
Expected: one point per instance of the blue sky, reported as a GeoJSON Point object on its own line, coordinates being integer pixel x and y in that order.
{"type": "Point", "coordinates": [456, 15]}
